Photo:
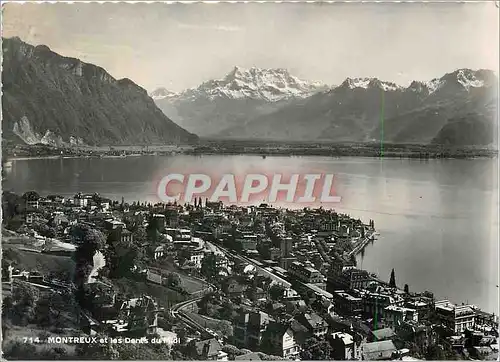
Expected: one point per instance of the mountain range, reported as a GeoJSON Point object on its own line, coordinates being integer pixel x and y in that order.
{"type": "Point", "coordinates": [219, 104]}
{"type": "Point", "coordinates": [457, 109]}
{"type": "Point", "coordinates": [51, 99]}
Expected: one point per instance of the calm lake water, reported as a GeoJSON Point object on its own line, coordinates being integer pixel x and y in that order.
{"type": "Point", "coordinates": [437, 219]}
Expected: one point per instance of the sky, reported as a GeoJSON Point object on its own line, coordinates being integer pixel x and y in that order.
{"type": "Point", "coordinates": [179, 46]}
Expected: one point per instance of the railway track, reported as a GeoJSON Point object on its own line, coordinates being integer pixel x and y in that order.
{"type": "Point", "coordinates": [177, 312]}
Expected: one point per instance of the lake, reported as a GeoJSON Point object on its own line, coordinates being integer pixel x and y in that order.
{"type": "Point", "coordinates": [437, 219]}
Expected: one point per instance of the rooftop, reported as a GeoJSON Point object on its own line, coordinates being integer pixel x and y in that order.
{"type": "Point", "coordinates": [346, 338]}
{"type": "Point", "coordinates": [384, 333]}
{"type": "Point", "coordinates": [378, 350]}
{"type": "Point", "coordinates": [248, 357]}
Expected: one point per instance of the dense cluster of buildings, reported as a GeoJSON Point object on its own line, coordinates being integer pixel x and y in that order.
{"type": "Point", "coordinates": [251, 252]}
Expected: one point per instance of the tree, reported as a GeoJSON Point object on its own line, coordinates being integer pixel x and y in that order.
{"type": "Point", "coordinates": [13, 207]}
{"type": "Point", "coordinates": [155, 351]}
{"type": "Point", "coordinates": [97, 351]}
{"type": "Point", "coordinates": [208, 266]}
{"type": "Point", "coordinates": [53, 310]}
{"type": "Point", "coordinates": [90, 238]}
{"type": "Point", "coordinates": [7, 307]}
{"type": "Point", "coordinates": [140, 234]}
{"type": "Point", "coordinates": [182, 334]}
{"type": "Point", "coordinates": [122, 258]}
{"type": "Point", "coordinates": [62, 274]}
{"type": "Point", "coordinates": [232, 351]}
{"type": "Point", "coordinates": [24, 297]}
{"type": "Point", "coordinates": [44, 230]}
{"type": "Point", "coordinates": [276, 292]}
{"type": "Point", "coordinates": [392, 281]}
{"type": "Point", "coordinates": [352, 259]}
{"type": "Point", "coordinates": [206, 306]}
{"type": "Point", "coordinates": [407, 289]}
{"type": "Point", "coordinates": [227, 311]}
{"type": "Point", "coordinates": [31, 196]}
{"type": "Point", "coordinates": [174, 280]}
{"type": "Point", "coordinates": [224, 328]}
{"type": "Point", "coordinates": [316, 350]}
{"type": "Point", "coordinates": [20, 351]}
{"type": "Point", "coordinates": [53, 354]}
{"type": "Point", "coordinates": [251, 292]}
{"type": "Point", "coordinates": [434, 353]}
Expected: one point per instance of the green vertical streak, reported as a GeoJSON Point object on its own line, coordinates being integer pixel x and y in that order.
{"type": "Point", "coordinates": [382, 105]}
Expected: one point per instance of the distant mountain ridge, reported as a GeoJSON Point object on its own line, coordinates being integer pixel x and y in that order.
{"type": "Point", "coordinates": [241, 94]}
{"type": "Point", "coordinates": [367, 109]}
{"type": "Point", "coordinates": [52, 99]}
{"type": "Point", "coordinates": [274, 105]}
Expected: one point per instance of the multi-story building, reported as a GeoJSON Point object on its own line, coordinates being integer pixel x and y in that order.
{"type": "Point", "coordinates": [348, 278]}
{"type": "Point", "coordinates": [305, 273]}
{"type": "Point", "coordinates": [346, 303]}
{"type": "Point", "coordinates": [81, 200]}
{"type": "Point", "coordinates": [183, 235]}
{"type": "Point", "coordinates": [222, 227]}
{"type": "Point", "coordinates": [486, 319]}
{"type": "Point", "coordinates": [112, 224]}
{"type": "Point", "coordinates": [196, 257]}
{"type": "Point", "coordinates": [281, 340]}
{"type": "Point", "coordinates": [286, 262]}
{"type": "Point", "coordinates": [256, 326]}
{"type": "Point", "coordinates": [126, 236]}
{"type": "Point", "coordinates": [157, 252]}
{"type": "Point", "coordinates": [328, 225]}
{"type": "Point", "coordinates": [160, 221]}
{"type": "Point", "coordinates": [172, 216]}
{"type": "Point", "coordinates": [394, 316]}
{"type": "Point", "coordinates": [456, 318]}
{"type": "Point", "coordinates": [286, 246]}
{"type": "Point", "coordinates": [240, 330]}
{"type": "Point", "coordinates": [314, 323]}
{"type": "Point", "coordinates": [215, 206]}
{"type": "Point", "coordinates": [344, 347]}
{"type": "Point", "coordinates": [375, 302]}
{"type": "Point", "coordinates": [210, 350]}
{"type": "Point", "coordinates": [247, 241]}
{"type": "Point", "coordinates": [136, 315]}
{"type": "Point", "coordinates": [214, 264]}
{"type": "Point", "coordinates": [421, 305]}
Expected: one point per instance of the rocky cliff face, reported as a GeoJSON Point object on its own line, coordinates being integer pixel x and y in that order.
{"type": "Point", "coordinates": [52, 99]}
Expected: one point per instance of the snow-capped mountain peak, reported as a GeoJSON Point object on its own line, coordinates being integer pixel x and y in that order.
{"type": "Point", "coordinates": [162, 93]}
{"type": "Point", "coordinates": [434, 85]}
{"type": "Point", "coordinates": [256, 83]}
{"type": "Point", "coordinates": [464, 79]}
{"type": "Point", "coordinates": [468, 78]}
{"type": "Point", "coordinates": [366, 83]}
{"type": "Point", "coordinates": [357, 83]}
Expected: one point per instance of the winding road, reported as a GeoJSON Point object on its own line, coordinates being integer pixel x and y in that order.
{"type": "Point", "coordinates": [177, 311]}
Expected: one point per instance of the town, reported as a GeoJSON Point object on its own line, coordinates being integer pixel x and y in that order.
{"type": "Point", "coordinates": [208, 281]}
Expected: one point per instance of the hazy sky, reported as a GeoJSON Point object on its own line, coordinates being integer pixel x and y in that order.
{"type": "Point", "coordinates": [181, 45]}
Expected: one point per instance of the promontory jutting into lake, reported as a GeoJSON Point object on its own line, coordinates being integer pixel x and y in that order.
{"type": "Point", "coordinates": [248, 182]}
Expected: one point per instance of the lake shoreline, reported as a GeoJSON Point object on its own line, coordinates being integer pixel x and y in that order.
{"type": "Point", "coordinates": [256, 148]}
{"type": "Point", "coordinates": [264, 155]}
